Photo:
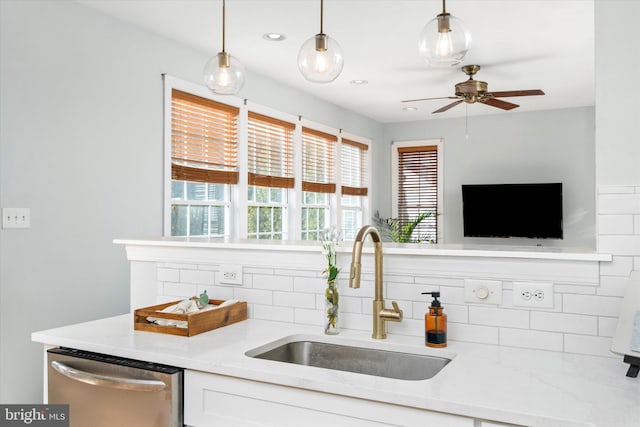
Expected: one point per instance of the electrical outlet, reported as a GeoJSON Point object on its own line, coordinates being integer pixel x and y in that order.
{"type": "Point", "coordinates": [231, 274]}
{"type": "Point", "coordinates": [483, 291]}
{"type": "Point", "coordinates": [16, 217]}
{"type": "Point", "coordinates": [533, 294]}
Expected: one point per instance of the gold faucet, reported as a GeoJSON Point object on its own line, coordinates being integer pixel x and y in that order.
{"type": "Point", "coordinates": [380, 313]}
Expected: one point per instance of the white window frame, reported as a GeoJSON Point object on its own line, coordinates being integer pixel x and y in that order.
{"type": "Point", "coordinates": [171, 83]}
{"type": "Point", "coordinates": [366, 200]}
{"type": "Point", "coordinates": [236, 216]}
{"type": "Point", "coordinates": [394, 178]}
{"type": "Point", "coordinates": [291, 203]}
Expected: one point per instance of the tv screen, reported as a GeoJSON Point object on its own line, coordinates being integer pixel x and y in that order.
{"type": "Point", "coordinates": [512, 210]}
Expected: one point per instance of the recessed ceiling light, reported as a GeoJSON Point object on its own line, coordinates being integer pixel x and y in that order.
{"type": "Point", "coordinates": [274, 37]}
{"type": "Point", "coordinates": [359, 82]}
{"type": "Point", "coordinates": [409, 109]}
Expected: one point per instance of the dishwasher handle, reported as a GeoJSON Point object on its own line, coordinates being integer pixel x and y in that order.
{"type": "Point", "coordinates": [108, 381]}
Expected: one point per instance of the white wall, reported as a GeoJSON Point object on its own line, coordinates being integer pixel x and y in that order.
{"type": "Point", "coordinates": [543, 146]}
{"type": "Point", "coordinates": [81, 145]}
{"type": "Point", "coordinates": [617, 107]}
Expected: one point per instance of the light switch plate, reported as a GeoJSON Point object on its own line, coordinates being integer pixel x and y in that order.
{"type": "Point", "coordinates": [483, 291]}
{"type": "Point", "coordinates": [16, 217]}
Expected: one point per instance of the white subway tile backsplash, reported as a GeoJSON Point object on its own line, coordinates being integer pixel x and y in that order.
{"type": "Point", "coordinates": [472, 333]}
{"type": "Point", "coordinates": [350, 304]}
{"type": "Point", "coordinates": [619, 266]}
{"type": "Point", "coordinates": [584, 344]}
{"type": "Point", "coordinates": [180, 290]}
{"type": "Point", "coordinates": [309, 317]}
{"type": "Point", "coordinates": [620, 245]}
{"type": "Point", "coordinates": [490, 316]}
{"type": "Point", "coordinates": [310, 284]}
{"type": "Point", "coordinates": [253, 296]}
{"type": "Point", "coordinates": [270, 312]}
{"type": "Point", "coordinates": [294, 299]}
{"type": "Point", "coordinates": [619, 204]}
{"type": "Point", "coordinates": [592, 305]}
{"type": "Point", "coordinates": [613, 285]}
{"type": "Point", "coordinates": [168, 275]}
{"type": "Point", "coordinates": [297, 273]}
{"type": "Point", "coordinates": [574, 289]}
{"type": "Point", "coordinates": [440, 281]}
{"type": "Point", "coordinates": [564, 322]}
{"type": "Point", "coordinates": [408, 291]}
{"type": "Point", "coordinates": [607, 326]}
{"type": "Point", "coordinates": [531, 339]}
{"type": "Point", "coordinates": [356, 321]}
{"type": "Point", "coordinates": [411, 327]}
{"type": "Point", "coordinates": [616, 189]}
{"type": "Point", "coordinates": [275, 283]}
{"type": "Point", "coordinates": [197, 277]}
{"type": "Point", "coordinates": [615, 224]}
{"type": "Point", "coordinates": [448, 295]}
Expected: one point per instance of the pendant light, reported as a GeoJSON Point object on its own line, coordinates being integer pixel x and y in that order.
{"type": "Point", "coordinates": [224, 74]}
{"type": "Point", "coordinates": [444, 41]}
{"type": "Point", "coordinates": [320, 59]}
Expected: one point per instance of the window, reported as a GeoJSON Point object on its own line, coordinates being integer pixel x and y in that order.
{"type": "Point", "coordinates": [354, 167]}
{"type": "Point", "coordinates": [318, 181]}
{"type": "Point", "coordinates": [417, 187]}
{"type": "Point", "coordinates": [270, 166]}
{"type": "Point", "coordinates": [203, 164]}
{"type": "Point", "coordinates": [236, 169]}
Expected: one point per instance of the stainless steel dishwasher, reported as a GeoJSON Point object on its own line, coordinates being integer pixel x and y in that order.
{"type": "Point", "coordinates": [104, 390]}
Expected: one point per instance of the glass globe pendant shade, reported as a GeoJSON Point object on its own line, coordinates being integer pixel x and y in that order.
{"type": "Point", "coordinates": [224, 74]}
{"type": "Point", "coordinates": [320, 59]}
{"type": "Point", "coordinates": [444, 41]}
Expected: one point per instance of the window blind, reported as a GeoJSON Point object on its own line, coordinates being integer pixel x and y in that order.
{"type": "Point", "coordinates": [270, 151]}
{"type": "Point", "coordinates": [318, 161]}
{"type": "Point", "coordinates": [418, 189]}
{"type": "Point", "coordinates": [203, 139]}
{"type": "Point", "coordinates": [354, 167]}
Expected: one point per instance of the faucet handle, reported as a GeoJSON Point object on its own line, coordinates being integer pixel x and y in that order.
{"type": "Point", "coordinates": [397, 310]}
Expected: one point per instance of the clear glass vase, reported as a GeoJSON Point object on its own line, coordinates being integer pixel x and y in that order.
{"type": "Point", "coordinates": [331, 302]}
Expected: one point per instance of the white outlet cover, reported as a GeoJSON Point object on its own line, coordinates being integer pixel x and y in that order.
{"type": "Point", "coordinates": [483, 291]}
{"type": "Point", "coordinates": [231, 274]}
{"type": "Point", "coordinates": [541, 294]}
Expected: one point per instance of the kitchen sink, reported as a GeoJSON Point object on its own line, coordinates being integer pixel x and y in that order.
{"type": "Point", "coordinates": [352, 358]}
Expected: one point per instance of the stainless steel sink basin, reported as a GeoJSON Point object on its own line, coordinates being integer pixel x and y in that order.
{"type": "Point", "coordinates": [361, 360]}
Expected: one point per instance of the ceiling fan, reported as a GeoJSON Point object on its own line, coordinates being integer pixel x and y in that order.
{"type": "Point", "coordinates": [472, 91]}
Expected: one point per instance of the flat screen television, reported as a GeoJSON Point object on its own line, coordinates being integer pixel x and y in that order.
{"type": "Point", "coordinates": [512, 210]}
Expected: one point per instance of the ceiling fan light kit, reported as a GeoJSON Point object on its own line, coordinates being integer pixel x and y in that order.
{"type": "Point", "coordinates": [445, 40]}
{"type": "Point", "coordinates": [320, 59]}
{"type": "Point", "coordinates": [223, 73]}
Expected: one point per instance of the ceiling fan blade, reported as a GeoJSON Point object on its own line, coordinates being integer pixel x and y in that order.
{"type": "Point", "coordinates": [508, 93]}
{"type": "Point", "coordinates": [429, 99]}
{"type": "Point", "coordinates": [498, 103]}
{"type": "Point", "coordinates": [446, 107]}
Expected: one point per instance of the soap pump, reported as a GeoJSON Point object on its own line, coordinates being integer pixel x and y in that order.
{"type": "Point", "coordinates": [435, 323]}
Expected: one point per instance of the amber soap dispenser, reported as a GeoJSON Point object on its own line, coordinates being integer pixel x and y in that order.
{"type": "Point", "coordinates": [435, 323]}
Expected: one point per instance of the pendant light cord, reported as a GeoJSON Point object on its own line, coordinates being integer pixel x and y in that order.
{"type": "Point", "coordinates": [321, 15]}
{"type": "Point", "coordinates": [444, 6]}
{"type": "Point", "coordinates": [223, 24]}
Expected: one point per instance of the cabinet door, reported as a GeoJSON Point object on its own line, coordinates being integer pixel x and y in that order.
{"type": "Point", "coordinates": [224, 401]}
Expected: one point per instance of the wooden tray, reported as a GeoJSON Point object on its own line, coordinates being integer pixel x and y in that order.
{"type": "Point", "coordinates": [197, 323]}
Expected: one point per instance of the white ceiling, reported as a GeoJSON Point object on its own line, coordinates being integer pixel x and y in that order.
{"type": "Point", "coordinates": [520, 44]}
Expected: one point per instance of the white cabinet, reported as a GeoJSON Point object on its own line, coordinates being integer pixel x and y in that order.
{"type": "Point", "coordinates": [215, 400]}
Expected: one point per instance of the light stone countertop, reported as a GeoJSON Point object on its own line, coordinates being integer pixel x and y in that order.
{"type": "Point", "coordinates": [519, 386]}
